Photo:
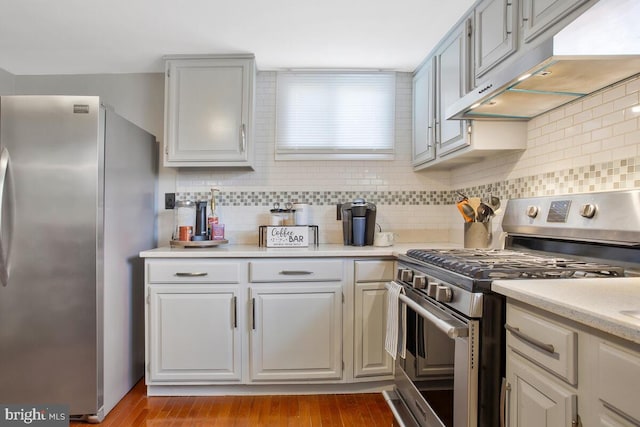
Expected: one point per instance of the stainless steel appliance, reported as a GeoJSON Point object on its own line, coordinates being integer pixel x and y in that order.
{"type": "Point", "coordinates": [597, 49]}
{"type": "Point", "coordinates": [358, 222]}
{"type": "Point", "coordinates": [77, 185]}
{"type": "Point", "coordinates": [451, 375]}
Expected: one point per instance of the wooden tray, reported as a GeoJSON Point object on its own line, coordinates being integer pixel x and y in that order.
{"type": "Point", "coordinates": [197, 243]}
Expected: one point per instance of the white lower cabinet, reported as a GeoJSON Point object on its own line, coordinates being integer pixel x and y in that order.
{"type": "Point", "coordinates": [538, 400]}
{"type": "Point", "coordinates": [214, 324]}
{"type": "Point", "coordinates": [563, 373]}
{"type": "Point", "coordinates": [617, 384]}
{"type": "Point", "coordinates": [371, 360]}
{"type": "Point", "coordinates": [296, 332]}
{"type": "Point", "coordinates": [194, 334]}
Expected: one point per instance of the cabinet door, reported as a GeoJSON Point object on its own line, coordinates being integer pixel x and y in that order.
{"type": "Point", "coordinates": [371, 359]}
{"type": "Point", "coordinates": [193, 334]}
{"type": "Point", "coordinates": [453, 81]}
{"type": "Point", "coordinates": [538, 15]}
{"type": "Point", "coordinates": [424, 147]}
{"type": "Point", "coordinates": [208, 108]}
{"type": "Point", "coordinates": [538, 400]}
{"type": "Point", "coordinates": [296, 332]}
{"type": "Point", "coordinates": [494, 35]}
{"type": "Point", "coordinates": [617, 381]}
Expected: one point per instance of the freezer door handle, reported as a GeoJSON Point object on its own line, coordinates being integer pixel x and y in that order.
{"type": "Point", "coordinates": [6, 215]}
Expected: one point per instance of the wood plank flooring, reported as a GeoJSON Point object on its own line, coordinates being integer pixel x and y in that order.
{"type": "Point", "coordinates": [136, 409]}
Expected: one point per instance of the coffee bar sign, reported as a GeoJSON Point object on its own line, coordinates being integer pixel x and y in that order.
{"type": "Point", "coordinates": [288, 236]}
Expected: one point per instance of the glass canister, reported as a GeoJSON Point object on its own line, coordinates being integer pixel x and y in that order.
{"type": "Point", "coordinates": [184, 220]}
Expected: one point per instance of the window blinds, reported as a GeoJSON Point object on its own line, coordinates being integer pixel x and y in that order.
{"type": "Point", "coordinates": [335, 114]}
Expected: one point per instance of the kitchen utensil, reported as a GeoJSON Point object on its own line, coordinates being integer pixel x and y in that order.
{"type": "Point", "coordinates": [484, 213]}
{"type": "Point", "coordinates": [474, 202]}
{"type": "Point", "coordinates": [494, 202]}
{"type": "Point", "coordinates": [466, 210]}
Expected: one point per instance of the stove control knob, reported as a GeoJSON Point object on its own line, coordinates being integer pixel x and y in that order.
{"type": "Point", "coordinates": [432, 289]}
{"type": "Point", "coordinates": [444, 294]}
{"type": "Point", "coordinates": [419, 281]}
{"type": "Point", "coordinates": [405, 275]}
{"type": "Point", "coordinates": [532, 211]}
{"type": "Point", "coordinates": [588, 210]}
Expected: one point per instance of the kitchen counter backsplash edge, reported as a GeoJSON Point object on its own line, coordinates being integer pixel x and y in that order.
{"type": "Point", "coordinates": [323, 250]}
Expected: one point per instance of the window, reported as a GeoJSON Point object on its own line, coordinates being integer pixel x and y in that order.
{"type": "Point", "coordinates": [335, 115]}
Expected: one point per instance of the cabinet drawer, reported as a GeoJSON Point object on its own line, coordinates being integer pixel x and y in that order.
{"type": "Point", "coordinates": [292, 270]}
{"type": "Point", "coordinates": [193, 271]}
{"type": "Point", "coordinates": [548, 344]}
{"type": "Point", "coordinates": [374, 271]}
{"type": "Point", "coordinates": [618, 380]}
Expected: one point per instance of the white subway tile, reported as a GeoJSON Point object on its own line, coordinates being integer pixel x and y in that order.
{"type": "Point", "coordinates": [613, 93]}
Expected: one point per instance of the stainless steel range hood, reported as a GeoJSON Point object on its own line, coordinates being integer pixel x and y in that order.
{"type": "Point", "coordinates": [599, 48]}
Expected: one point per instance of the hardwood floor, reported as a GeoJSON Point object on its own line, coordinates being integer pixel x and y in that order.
{"type": "Point", "coordinates": [136, 409]}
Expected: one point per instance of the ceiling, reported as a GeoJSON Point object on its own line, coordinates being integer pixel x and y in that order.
{"type": "Point", "coordinates": [130, 36]}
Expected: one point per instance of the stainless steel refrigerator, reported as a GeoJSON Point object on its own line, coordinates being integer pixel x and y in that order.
{"type": "Point", "coordinates": [77, 191]}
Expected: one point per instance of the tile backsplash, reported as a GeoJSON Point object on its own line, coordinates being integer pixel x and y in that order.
{"type": "Point", "coordinates": [592, 144]}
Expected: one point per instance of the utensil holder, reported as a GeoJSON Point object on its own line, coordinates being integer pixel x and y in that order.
{"type": "Point", "coordinates": [477, 234]}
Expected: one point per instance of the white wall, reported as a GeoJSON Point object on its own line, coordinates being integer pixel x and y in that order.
{"type": "Point", "coordinates": [7, 82]}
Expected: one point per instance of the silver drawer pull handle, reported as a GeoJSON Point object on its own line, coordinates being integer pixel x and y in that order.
{"type": "Point", "coordinates": [196, 274]}
{"type": "Point", "coordinates": [295, 272]}
{"type": "Point", "coordinates": [516, 331]}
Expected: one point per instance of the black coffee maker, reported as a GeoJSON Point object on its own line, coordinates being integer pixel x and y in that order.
{"type": "Point", "coordinates": [358, 222]}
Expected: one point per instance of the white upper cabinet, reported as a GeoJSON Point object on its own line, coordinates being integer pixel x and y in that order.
{"type": "Point", "coordinates": [424, 145]}
{"type": "Point", "coordinates": [454, 67]}
{"type": "Point", "coordinates": [209, 104]}
{"type": "Point", "coordinates": [495, 33]}
{"type": "Point", "coordinates": [539, 15]}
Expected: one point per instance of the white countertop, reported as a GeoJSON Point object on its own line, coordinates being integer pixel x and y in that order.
{"type": "Point", "coordinates": [323, 250]}
{"type": "Point", "coordinates": [598, 303]}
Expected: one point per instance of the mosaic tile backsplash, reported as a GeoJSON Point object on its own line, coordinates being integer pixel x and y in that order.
{"type": "Point", "coordinates": [614, 175]}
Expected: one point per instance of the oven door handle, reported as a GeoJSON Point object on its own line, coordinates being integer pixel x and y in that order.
{"type": "Point", "coordinates": [452, 331]}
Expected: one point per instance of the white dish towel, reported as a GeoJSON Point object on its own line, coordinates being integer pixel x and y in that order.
{"type": "Point", "coordinates": [396, 333]}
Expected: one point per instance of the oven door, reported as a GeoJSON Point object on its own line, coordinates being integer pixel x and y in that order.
{"type": "Point", "coordinates": [438, 379]}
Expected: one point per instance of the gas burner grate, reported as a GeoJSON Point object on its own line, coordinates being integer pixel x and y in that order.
{"type": "Point", "coordinates": [508, 264]}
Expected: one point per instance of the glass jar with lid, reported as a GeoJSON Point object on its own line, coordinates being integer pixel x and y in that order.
{"type": "Point", "coordinates": [184, 217]}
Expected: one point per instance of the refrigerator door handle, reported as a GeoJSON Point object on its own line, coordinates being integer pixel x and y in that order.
{"type": "Point", "coordinates": [5, 211]}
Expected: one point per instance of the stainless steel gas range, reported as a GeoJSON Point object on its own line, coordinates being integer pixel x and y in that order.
{"type": "Point", "coordinates": [452, 372]}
